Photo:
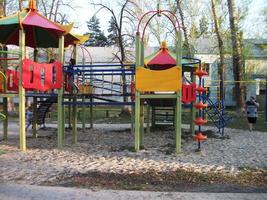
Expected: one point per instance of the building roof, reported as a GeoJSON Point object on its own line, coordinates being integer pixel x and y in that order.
{"type": "Point", "coordinates": [254, 48]}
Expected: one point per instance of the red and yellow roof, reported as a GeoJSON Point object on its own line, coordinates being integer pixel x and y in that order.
{"type": "Point", "coordinates": [40, 31]}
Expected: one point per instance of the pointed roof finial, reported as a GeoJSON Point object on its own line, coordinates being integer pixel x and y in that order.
{"type": "Point", "coordinates": [32, 5]}
{"type": "Point", "coordinates": [163, 45]}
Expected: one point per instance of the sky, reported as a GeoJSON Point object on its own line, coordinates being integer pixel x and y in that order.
{"type": "Point", "coordinates": [254, 26]}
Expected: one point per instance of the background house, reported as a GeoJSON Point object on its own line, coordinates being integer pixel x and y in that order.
{"type": "Point", "coordinates": [255, 68]}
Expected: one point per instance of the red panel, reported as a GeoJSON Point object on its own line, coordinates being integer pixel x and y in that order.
{"type": "Point", "coordinates": [12, 80]}
{"type": "Point", "coordinates": [35, 19]}
{"type": "Point", "coordinates": [188, 93]}
{"type": "Point", "coordinates": [41, 77]}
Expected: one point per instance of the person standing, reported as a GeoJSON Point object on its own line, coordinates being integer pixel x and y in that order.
{"type": "Point", "coordinates": [251, 110]}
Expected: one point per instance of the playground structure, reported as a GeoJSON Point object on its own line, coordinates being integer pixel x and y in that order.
{"type": "Point", "coordinates": [155, 81]}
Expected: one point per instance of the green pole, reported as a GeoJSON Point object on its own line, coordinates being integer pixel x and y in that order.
{"type": "Point", "coordinates": [142, 116]}
{"type": "Point", "coordinates": [91, 114]}
{"type": "Point", "coordinates": [69, 114]}
{"type": "Point", "coordinates": [5, 121]}
{"type": "Point", "coordinates": [193, 109]}
{"type": "Point", "coordinates": [74, 114]}
{"type": "Point", "coordinates": [83, 100]}
{"type": "Point", "coordinates": [148, 119]}
{"type": "Point", "coordinates": [22, 121]}
{"type": "Point", "coordinates": [34, 122]}
{"type": "Point", "coordinates": [5, 100]}
{"type": "Point", "coordinates": [74, 121]}
{"type": "Point", "coordinates": [60, 110]}
{"type": "Point", "coordinates": [153, 120]}
{"type": "Point", "coordinates": [137, 121]}
{"type": "Point", "coordinates": [178, 108]}
{"type": "Point", "coordinates": [137, 96]}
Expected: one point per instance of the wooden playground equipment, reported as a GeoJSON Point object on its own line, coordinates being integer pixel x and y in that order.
{"type": "Point", "coordinates": [156, 81]}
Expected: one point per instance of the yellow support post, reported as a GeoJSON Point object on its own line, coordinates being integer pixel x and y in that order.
{"type": "Point", "coordinates": [60, 110]}
{"type": "Point", "coordinates": [22, 121]}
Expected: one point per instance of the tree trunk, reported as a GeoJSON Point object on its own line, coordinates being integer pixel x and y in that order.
{"type": "Point", "coordinates": [221, 49]}
{"type": "Point", "coordinates": [186, 40]}
{"type": "Point", "coordinates": [3, 8]}
{"type": "Point", "coordinates": [237, 61]}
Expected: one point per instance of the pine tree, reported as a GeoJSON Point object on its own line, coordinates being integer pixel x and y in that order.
{"type": "Point", "coordinates": [113, 32]}
{"type": "Point", "coordinates": [97, 37]}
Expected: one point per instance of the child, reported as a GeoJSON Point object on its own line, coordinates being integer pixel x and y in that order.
{"type": "Point", "coordinates": [71, 80]}
{"type": "Point", "coordinates": [250, 109]}
{"type": "Point", "coordinates": [29, 116]}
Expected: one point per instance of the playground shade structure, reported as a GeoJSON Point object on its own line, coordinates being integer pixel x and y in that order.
{"type": "Point", "coordinates": [41, 32]}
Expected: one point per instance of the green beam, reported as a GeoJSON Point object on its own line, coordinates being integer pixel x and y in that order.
{"type": "Point", "coordinates": [60, 110]}
{"type": "Point", "coordinates": [158, 96]}
{"type": "Point", "coordinates": [8, 95]}
{"type": "Point", "coordinates": [22, 121]}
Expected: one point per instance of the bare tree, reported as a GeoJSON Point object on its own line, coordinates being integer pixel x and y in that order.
{"type": "Point", "coordinates": [237, 57]}
{"type": "Point", "coordinates": [220, 45]}
{"type": "Point", "coordinates": [183, 26]}
{"type": "Point", "coordinates": [119, 20]}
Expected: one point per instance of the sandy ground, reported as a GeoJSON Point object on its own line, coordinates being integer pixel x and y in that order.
{"type": "Point", "coordinates": [108, 149]}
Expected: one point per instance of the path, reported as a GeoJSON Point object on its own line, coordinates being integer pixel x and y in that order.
{"type": "Point", "coordinates": [30, 192]}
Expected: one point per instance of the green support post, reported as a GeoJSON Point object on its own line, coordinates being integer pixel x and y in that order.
{"type": "Point", "coordinates": [142, 116]}
{"type": "Point", "coordinates": [137, 122]}
{"type": "Point", "coordinates": [153, 120]}
{"type": "Point", "coordinates": [5, 101]}
{"type": "Point", "coordinates": [141, 121]}
{"type": "Point", "coordinates": [34, 111]}
{"type": "Point", "coordinates": [22, 121]}
{"type": "Point", "coordinates": [74, 114]}
{"type": "Point", "coordinates": [137, 97]}
{"type": "Point", "coordinates": [91, 114]}
{"type": "Point", "coordinates": [83, 100]}
{"type": "Point", "coordinates": [69, 114]}
{"type": "Point", "coordinates": [148, 119]}
{"type": "Point", "coordinates": [178, 108]}
{"type": "Point", "coordinates": [60, 110]}
{"type": "Point", "coordinates": [34, 122]}
{"type": "Point", "coordinates": [132, 119]}
{"type": "Point", "coordinates": [74, 121]}
{"type": "Point", "coordinates": [193, 109]}
{"type": "Point", "coordinates": [5, 121]}
{"type": "Point", "coordinates": [83, 114]}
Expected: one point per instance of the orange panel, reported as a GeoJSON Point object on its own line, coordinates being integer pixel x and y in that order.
{"type": "Point", "coordinates": [169, 80]}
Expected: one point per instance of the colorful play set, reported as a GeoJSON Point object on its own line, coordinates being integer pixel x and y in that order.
{"type": "Point", "coordinates": [154, 82]}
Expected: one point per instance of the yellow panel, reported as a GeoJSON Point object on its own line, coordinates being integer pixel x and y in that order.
{"type": "Point", "coordinates": [169, 80]}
